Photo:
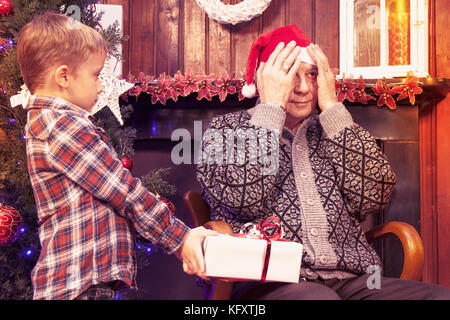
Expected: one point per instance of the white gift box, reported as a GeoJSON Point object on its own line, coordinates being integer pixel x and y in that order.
{"type": "Point", "coordinates": [243, 258]}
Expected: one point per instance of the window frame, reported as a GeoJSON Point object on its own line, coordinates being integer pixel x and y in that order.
{"type": "Point", "coordinates": [418, 33]}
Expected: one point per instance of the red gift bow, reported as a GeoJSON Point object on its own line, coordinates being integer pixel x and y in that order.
{"type": "Point", "coordinates": [262, 233]}
{"type": "Point", "coordinates": [270, 222]}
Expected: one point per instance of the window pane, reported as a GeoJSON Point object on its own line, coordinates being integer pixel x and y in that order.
{"type": "Point", "coordinates": [366, 49]}
{"type": "Point", "coordinates": [399, 33]}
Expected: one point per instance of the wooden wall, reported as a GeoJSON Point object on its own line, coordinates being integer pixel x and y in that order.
{"type": "Point", "coordinates": [171, 35]}
{"type": "Point", "coordinates": [434, 128]}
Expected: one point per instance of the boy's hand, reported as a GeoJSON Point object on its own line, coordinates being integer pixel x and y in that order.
{"type": "Point", "coordinates": [191, 251]}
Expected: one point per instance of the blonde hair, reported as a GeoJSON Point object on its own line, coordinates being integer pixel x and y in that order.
{"type": "Point", "coordinates": [55, 39]}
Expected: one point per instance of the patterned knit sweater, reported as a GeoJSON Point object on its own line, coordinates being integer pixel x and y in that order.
{"type": "Point", "coordinates": [328, 177]}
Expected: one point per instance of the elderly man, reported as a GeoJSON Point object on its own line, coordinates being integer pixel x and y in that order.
{"type": "Point", "coordinates": [329, 174]}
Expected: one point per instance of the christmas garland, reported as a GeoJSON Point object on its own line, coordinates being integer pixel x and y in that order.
{"type": "Point", "coordinates": [208, 86]}
{"type": "Point", "coordinates": [166, 87]}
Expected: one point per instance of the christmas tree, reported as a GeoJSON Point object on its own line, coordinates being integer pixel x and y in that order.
{"type": "Point", "coordinates": [18, 258]}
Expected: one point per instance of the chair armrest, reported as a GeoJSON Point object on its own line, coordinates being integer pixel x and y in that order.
{"type": "Point", "coordinates": [219, 226]}
{"type": "Point", "coordinates": [413, 254]}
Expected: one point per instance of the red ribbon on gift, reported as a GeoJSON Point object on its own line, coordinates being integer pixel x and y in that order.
{"type": "Point", "coordinates": [262, 232]}
{"type": "Point", "coordinates": [263, 226]}
{"type": "Point", "coordinates": [266, 260]}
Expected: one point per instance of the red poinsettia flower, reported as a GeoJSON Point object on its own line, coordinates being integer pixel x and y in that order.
{"type": "Point", "coordinates": [385, 93]}
{"type": "Point", "coordinates": [176, 88]}
{"type": "Point", "coordinates": [145, 80]}
{"type": "Point", "coordinates": [239, 83]}
{"type": "Point", "coordinates": [141, 83]}
{"type": "Point", "coordinates": [159, 91]}
{"type": "Point", "coordinates": [409, 89]}
{"type": "Point", "coordinates": [225, 85]}
{"type": "Point", "coordinates": [360, 92]}
{"type": "Point", "coordinates": [206, 88]}
{"type": "Point", "coordinates": [345, 90]}
{"type": "Point", "coordinates": [188, 82]}
{"type": "Point", "coordinates": [137, 89]}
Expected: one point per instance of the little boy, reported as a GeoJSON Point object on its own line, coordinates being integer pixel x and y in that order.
{"type": "Point", "coordinates": [89, 206]}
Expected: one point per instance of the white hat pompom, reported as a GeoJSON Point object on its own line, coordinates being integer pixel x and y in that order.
{"type": "Point", "coordinates": [249, 90]}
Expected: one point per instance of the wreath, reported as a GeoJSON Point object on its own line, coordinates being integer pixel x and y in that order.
{"type": "Point", "coordinates": [233, 13]}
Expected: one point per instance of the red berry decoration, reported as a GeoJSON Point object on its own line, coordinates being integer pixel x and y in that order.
{"type": "Point", "coordinates": [5, 7]}
{"type": "Point", "coordinates": [10, 222]}
{"type": "Point", "coordinates": [127, 162]}
{"type": "Point", "coordinates": [169, 204]}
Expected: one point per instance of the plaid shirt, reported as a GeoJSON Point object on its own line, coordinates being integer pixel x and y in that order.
{"type": "Point", "coordinates": [89, 206]}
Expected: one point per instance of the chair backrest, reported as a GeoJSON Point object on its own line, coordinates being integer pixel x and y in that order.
{"type": "Point", "coordinates": [198, 209]}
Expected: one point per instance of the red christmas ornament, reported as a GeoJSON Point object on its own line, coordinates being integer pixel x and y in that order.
{"type": "Point", "coordinates": [10, 222]}
{"type": "Point", "coordinates": [5, 7]}
{"type": "Point", "coordinates": [127, 162]}
{"type": "Point", "coordinates": [169, 205]}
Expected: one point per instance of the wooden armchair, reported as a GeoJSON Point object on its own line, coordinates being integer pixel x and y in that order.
{"type": "Point", "coordinates": [199, 213]}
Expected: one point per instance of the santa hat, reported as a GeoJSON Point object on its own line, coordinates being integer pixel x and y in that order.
{"type": "Point", "coordinates": [265, 44]}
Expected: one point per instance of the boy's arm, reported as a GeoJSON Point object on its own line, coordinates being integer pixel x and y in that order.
{"type": "Point", "coordinates": [78, 151]}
